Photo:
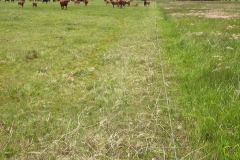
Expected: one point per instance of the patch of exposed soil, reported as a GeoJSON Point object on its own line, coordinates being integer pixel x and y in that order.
{"type": "Point", "coordinates": [205, 10]}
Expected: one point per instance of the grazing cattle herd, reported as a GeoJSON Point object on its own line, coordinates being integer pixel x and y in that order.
{"type": "Point", "coordinates": [122, 3]}
{"type": "Point", "coordinates": [64, 3]}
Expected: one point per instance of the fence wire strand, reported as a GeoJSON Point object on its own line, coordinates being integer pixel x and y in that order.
{"type": "Point", "coordinates": [164, 81]}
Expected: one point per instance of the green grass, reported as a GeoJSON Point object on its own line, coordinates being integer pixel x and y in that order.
{"type": "Point", "coordinates": [203, 47]}
{"type": "Point", "coordinates": [90, 88]}
{"type": "Point", "coordinates": [87, 82]}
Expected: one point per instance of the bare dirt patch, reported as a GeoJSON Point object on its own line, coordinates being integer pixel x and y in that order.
{"type": "Point", "coordinates": [203, 9]}
{"type": "Point", "coordinates": [210, 14]}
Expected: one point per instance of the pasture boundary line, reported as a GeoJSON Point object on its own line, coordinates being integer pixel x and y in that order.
{"type": "Point", "coordinates": [164, 81]}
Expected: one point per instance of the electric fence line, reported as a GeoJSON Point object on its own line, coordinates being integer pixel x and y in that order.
{"type": "Point", "coordinates": [164, 81]}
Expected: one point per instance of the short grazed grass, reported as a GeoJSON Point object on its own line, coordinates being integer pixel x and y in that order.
{"type": "Point", "coordinates": [82, 83]}
{"type": "Point", "coordinates": [87, 82]}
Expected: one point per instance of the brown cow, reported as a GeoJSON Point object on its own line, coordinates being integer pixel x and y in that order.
{"type": "Point", "coordinates": [76, 2]}
{"type": "Point", "coordinates": [34, 4]}
{"type": "Point", "coordinates": [146, 3]}
{"type": "Point", "coordinates": [127, 2]}
{"type": "Point", "coordinates": [114, 3]}
{"type": "Point", "coordinates": [121, 3]}
{"type": "Point", "coordinates": [86, 2]}
{"type": "Point", "coordinates": [107, 1]}
{"type": "Point", "coordinates": [46, 1]}
{"type": "Point", "coordinates": [21, 3]}
{"type": "Point", "coordinates": [64, 3]}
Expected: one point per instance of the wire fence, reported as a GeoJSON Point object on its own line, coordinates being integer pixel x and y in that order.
{"type": "Point", "coordinates": [164, 80]}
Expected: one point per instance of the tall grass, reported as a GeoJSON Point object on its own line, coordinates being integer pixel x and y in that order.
{"type": "Point", "coordinates": [203, 47]}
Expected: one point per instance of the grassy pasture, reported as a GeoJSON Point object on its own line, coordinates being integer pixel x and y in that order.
{"type": "Point", "coordinates": [87, 82]}
{"type": "Point", "coordinates": [81, 83]}
{"type": "Point", "coordinates": [202, 41]}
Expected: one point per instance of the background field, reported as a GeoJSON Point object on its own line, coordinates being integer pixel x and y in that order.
{"type": "Point", "coordinates": [134, 83]}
